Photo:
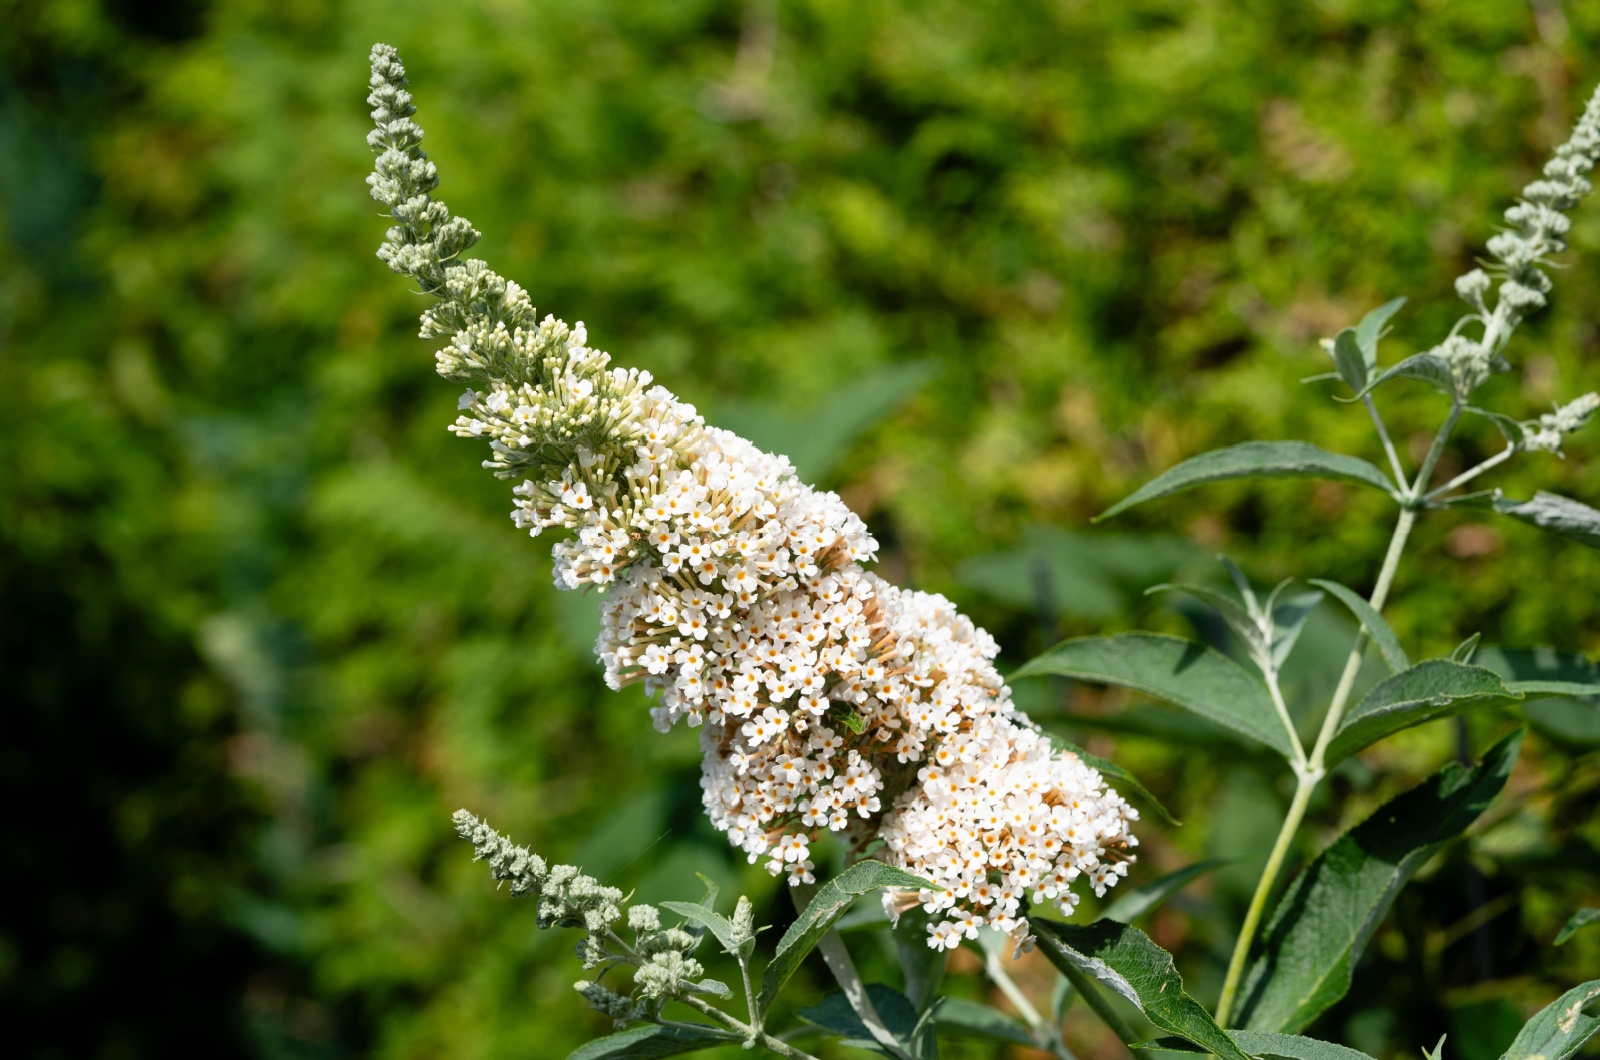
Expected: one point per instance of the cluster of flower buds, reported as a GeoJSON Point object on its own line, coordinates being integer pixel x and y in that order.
{"type": "Point", "coordinates": [827, 699]}
{"type": "Point", "coordinates": [662, 958]}
{"type": "Point", "coordinates": [1546, 433]}
{"type": "Point", "coordinates": [1536, 228]}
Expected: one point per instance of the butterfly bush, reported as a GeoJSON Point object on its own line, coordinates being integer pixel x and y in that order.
{"type": "Point", "coordinates": [827, 699]}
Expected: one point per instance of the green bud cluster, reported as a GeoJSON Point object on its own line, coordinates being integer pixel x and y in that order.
{"type": "Point", "coordinates": [548, 398]}
{"type": "Point", "coordinates": [1536, 228]}
{"type": "Point", "coordinates": [1545, 434]}
{"type": "Point", "coordinates": [662, 957]}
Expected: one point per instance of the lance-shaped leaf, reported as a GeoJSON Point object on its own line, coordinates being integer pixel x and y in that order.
{"type": "Point", "coordinates": [1126, 781]}
{"type": "Point", "coordinates": [959, 1018]}
{"type": "Point", "coordinates": [1134, 904]}
{"type": "Point", "coordinates": [1378, 629]}
{"type": "Point", "coordinates": [1325, 918]}
{"type": "Point", "coordinates": [1370, 330]}
{"type": "Point", "coordinates": [1256, 460]}
{"type": "Point", "coordinates": [1231, 611]}
{"type": "Point", "coordinates": [1289, 614]}
{"type": "Point", "coordinates": [829, 903]}
{"type": "Point", "coordinates": [1269, 1044]}
{"type": "Point", "coordinates": [1510, 428]}
{"type": "Point", "coordinates": [1182, 672]}
{"type": "Point", "coordinates": [719, 925]}
{"type": "Point", "coordinates": [1349, 359]}
{"type": "Point", "coordinates": [1559, 1029]}
{"type": "Point", "coordinates": [645, 1043]}
{"type": "Point", "coordinates": [1580, 920]}
{"type": "Point", "coordinates": [1437, 688]}
{"type": "Point", "coordinates": [1422, 366]}
{"type": "Point", "coordinates": [834, 1013]}
{"type": "Point", "coordinates": [1542, 671]}
{"type": "Point", "coordinates": [1549, 511]}
{"type": "Point", "coordinates": [1126, 960]}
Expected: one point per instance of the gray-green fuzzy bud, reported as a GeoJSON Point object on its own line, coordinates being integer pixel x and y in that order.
{"type": "Point", "coordinates": [1546, 433]}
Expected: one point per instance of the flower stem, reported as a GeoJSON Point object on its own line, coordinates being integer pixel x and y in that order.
{"type": "Point", "coordinates": [760, 1037]}
{"type": "Point", "coordinates": [1046, 1034]}
{"type": "Point", "coordinates": [837, 958]}
{"type": "Point", "coordinates": [1471, 473]}
{"type": "Point", "coordinates": [1308, 776]}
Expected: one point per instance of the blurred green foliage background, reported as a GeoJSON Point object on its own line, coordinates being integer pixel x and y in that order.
{"type": "Point", "coordinates": [983, 267]}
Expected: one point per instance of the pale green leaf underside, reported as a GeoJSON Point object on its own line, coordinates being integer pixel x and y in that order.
{"type": "Point", "coordinates": [1434, 689]}
{"type": "Point", "coordinates": [1126, 960]}
{"type": "Point", "coordinates": [1421, 366]}
{"type": "Point", "coordinates": [1571, 519]}
{"type": "Point", "coordinates": [1323, 921]}
{"type": "Point", "coordinates": [1382, 635]}
{"type": "Point", "coordinates": [699, 915]}
{"type": "Point", "coordinates": [1256, 460]}
{"type": "Point", "coordinates": [1559, 1029]}
{"type": "Point", "coordinates": [1182, 672]}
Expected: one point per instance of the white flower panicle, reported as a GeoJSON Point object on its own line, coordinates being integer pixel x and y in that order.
{"type": "Point", "coordinates": [827, 699]}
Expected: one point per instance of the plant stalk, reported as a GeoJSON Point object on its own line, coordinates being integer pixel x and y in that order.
{"type": "Point", "coordinates": [760, 1037]}
{"type": "Point", "coordinates": [1046, 1034]}
{"type": "Point", "coordinates": [837, 958]}
{"type": "Point", "coordinates": [1311, 773]}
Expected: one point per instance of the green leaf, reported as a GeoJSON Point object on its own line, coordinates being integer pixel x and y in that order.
{"type": "Point", "coordinates": [1269, 1044]}
{"type": "Point", "coordinates": [712, 890]}
{"type": "Point", "coordinates": [1350, 360]}
{"type": "Point", "coordinates": [716, 923]}
{"type": "Point", "coordinates": [960, 1018]}
{"type": "Point", "coordinates": [1256, 460]}
{"type": "Point", "coordinates": [1559, 1029]}
{"type": "Point", "coordinates": [1466, 649]}
{"type": "Point", "coordinates": [1571, 519]}
{"type": "Point", "coordinates": [1126, 781]}
{"type": "Point", "coordinates": [1323, 921]}
{"type": "Point", "coordinates": [1370, 330]}
{"type": "Point", "coordinates": [1126, 960]}
{"type": "Point", "coordinates": [1182, 672]}
{"type": "Point", "coordinates": [1580, 920]}
{"type": "Point", "coordinates": [1421, 366]}
{"type": "Point", "coordinates": [1542, 671]}
{"type": "Point", "coordinates": [829, 903]}
{"type": "Point", "coordinates": [833, 1013]}
{"type": "Point", "coordinates": [643, 1043]}
{"type": "Point", "coordinates": [1231, 611]}
{"type": "Point", "coordinates": [1135, 903]}
{"type": "Point", "coordinates": [1378, 629]}
{"type": "Point", "coordinates": [1288, 619]}
{"type": "Point", "coordinates": [1510, 428]}
{"type": "Point", "coordinates": [1434, 689]}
